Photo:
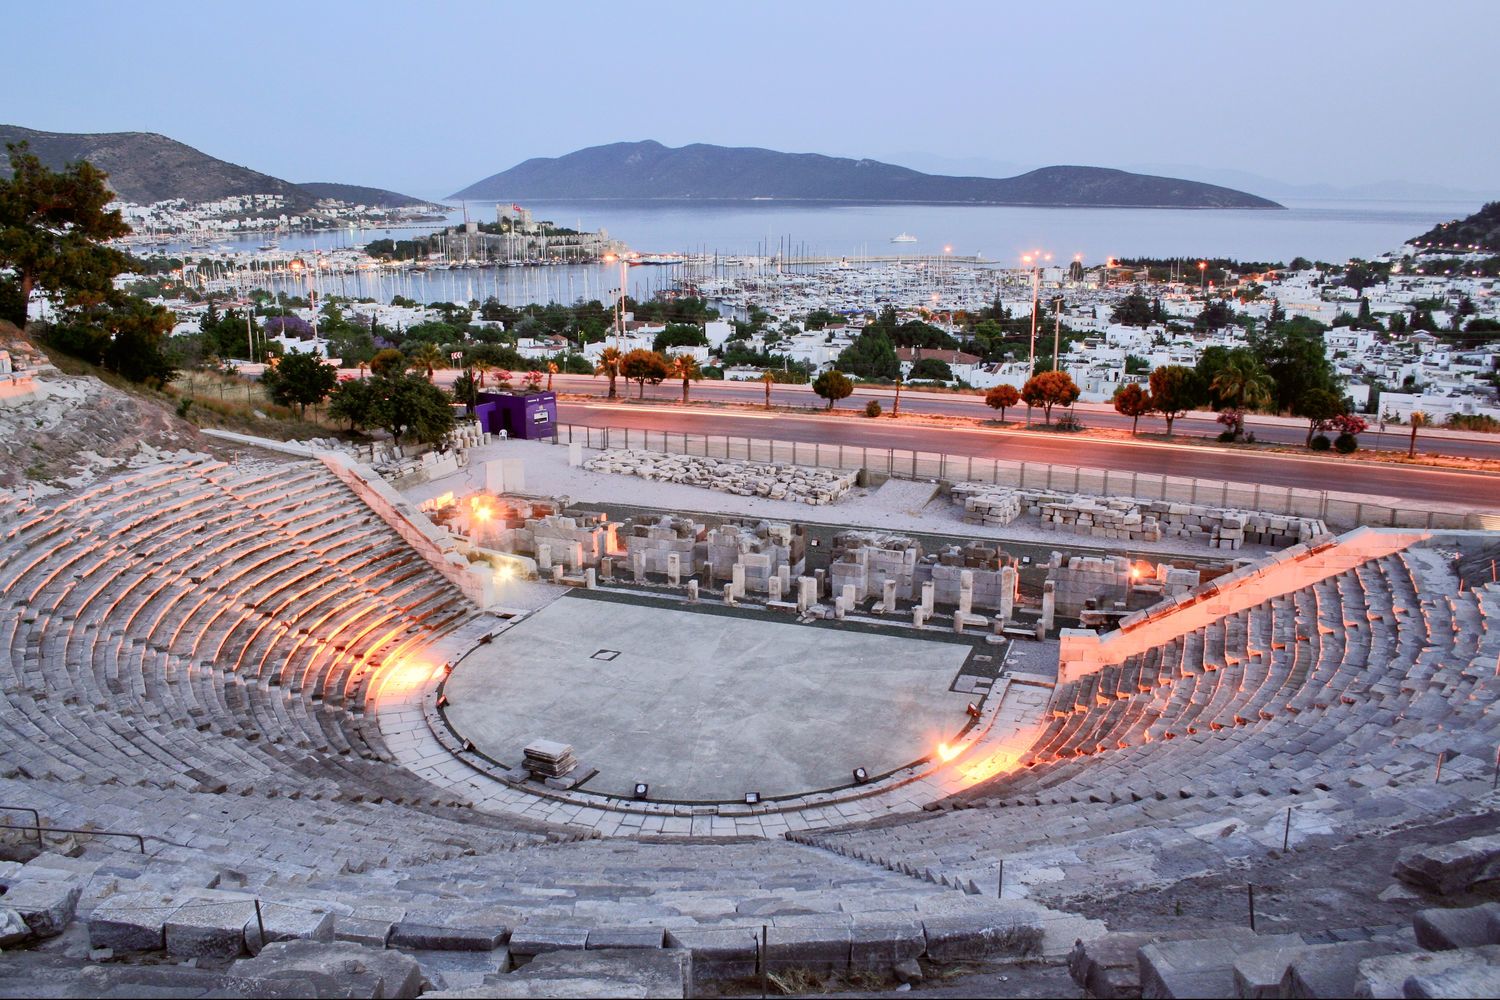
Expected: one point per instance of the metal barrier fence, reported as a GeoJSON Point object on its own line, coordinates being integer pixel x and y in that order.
{"type": "Point", "coordinates": [1337, 510]}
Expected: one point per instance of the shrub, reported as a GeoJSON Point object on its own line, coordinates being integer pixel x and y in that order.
{"type": "Point", "coordinates": [1345, 444]}
{"type": "Point", "coordinates": [1226, 436]}
{"type": "Point", "coordinates": [1320, 442]}
{"type": "Point", "coordinates": [873, 408]}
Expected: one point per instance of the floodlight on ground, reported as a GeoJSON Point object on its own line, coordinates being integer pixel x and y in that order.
{"type": "Point", "coordinates": [642, 790]}
{"type": "Point", "coordinates": [442, 701]}
{"type": "Point", "coordinates": [468, 746]}
{"type": "Point", "coordinates": [752, 798]}
{"type": "Point", "coordinates": [861, 776]}
{"type": "Point", "coordinates": [973, 710]}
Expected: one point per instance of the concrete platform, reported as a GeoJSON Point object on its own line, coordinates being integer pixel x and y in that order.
{"type": "Point", "coordinates": [705, 707]}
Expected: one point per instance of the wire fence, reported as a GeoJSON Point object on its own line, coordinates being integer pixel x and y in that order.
{"type": "Point", "coordinates": [1337, 510]}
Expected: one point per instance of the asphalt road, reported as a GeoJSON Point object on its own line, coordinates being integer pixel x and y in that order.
{"type": "Point", "coordinates": [1421, 485]}
{"type": "Point", "coordinates": [1269, 429]}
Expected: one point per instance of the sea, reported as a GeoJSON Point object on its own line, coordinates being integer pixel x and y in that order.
{"type": "Point", "coordinates": [1333, 231]}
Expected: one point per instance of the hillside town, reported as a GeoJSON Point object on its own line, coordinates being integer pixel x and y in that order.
{"type": "Point", "coordinates": [1412, 330]}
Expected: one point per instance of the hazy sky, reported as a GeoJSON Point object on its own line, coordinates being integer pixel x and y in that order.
{"type": "Point", "coordinates": [428, 97]}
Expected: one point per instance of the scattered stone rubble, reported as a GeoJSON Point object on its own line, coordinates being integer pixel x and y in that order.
{"type": "Point", "coordinates": [1133, 519]}
{"type": "Point", "coordinates": [797, 483]}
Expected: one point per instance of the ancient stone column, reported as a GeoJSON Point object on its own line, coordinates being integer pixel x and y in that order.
{"type": "Point", "coordinates": [1049, 605]}
{"type": "Point", "coordinates": [674, 568]}
{"type": "Point", "coordinates": [773, 589]}
{"type": "Point", "coordinates": [692, 591]}
{"type": "Point", "coordinates": [927, 592]}
{"type": "Point", "coordinates": [1007, 592]}
{"type": "Point", "coordinates": [888, 596]}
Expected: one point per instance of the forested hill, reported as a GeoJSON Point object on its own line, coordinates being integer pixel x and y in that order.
{"type": "Point", "coordinates": [145, 167]}
{"type": "Point", "coordinates": [1480, 231]}
{"type": "Point", "coordinates": [649, 170]}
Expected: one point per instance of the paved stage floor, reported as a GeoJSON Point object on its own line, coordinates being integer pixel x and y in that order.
{"type": "Point", "coordinates": [707, 706]}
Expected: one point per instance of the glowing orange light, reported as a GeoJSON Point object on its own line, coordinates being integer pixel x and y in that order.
{"type": "Point", "coordinates": [946, 753]}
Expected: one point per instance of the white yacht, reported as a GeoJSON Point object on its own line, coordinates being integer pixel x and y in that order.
{"type": "Point", "coordinates": [903, 238]}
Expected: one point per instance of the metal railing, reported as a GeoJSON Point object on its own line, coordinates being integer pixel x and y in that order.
{"type": "Point", "coordinates": [1343, 510]}
{"type": "Point", "coordinates": [38, 828]}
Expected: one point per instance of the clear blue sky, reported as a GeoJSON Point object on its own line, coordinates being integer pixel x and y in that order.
{"type": "Point", "coordinates": [428, 97]}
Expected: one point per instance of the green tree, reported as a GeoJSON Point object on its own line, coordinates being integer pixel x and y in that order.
{"type": "Point", "coordinates": [1133, 310]}
{"type": "Point", "coordinates": [685, 367]}
{"type": "Point", "coordinates": [1175, 389]}
{"type": "Point", "coordinates": [833, 385]}
{"type": "Point", "coordinates": [1242, 383]}
{"type": "Point", "coordinates": [409, 405]}
{"type": "Point", "coordinates": [1318, 406]}
{"type": "Point", "coordinates": [1214, 315]}
{"type": "Point", "coordinates": [299, 379]}
{"type": "Point", "coordinates": [1002, 397]}
{"type": "Point", "coordinates": [427, 357]}
{"type": "Point", "coordinates": [52, 228]}
{"type": "Point", "coordinates": [387, 363]}
{"type": "Point", "coordinates": [872, 355]}
{"type": "Point", "coordinates": [931, 368]}
{"type": "Point", "coordinates": [642, 366]}
{"type": "Point", "coordinates": [1134, 402]}
{"type": "Point", "coordinates": [354, 400]}
{"type": "Point", "coordinates": [679, 335]}
{"type": "Point", "coordinates": [1049, 389]}
{"type": "Point", "coordinates": [609, 365]}
{"type": "Point", "coordinates": [1293, 354]}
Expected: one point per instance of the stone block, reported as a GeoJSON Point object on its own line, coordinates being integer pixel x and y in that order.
{"type": "Point", "coordinates": [622, 972]}
{"type": "Point", "coordinates": [1476, 978]}
{"type": "Point", "coordinates": [13, 929]}
{"type": "Point", "coordinates": [963, 938]}
{"type": "Point", "coordinates": [540, 937]}
{"type": "Point", "coordinates": [352, 970]}
{"type": "Point", "coordinates": [625, 937]}
{"type": "Point", "coordinates": [1468, 927]}
{"type": "Point", "coordinates": [209, 928]}
{"type": "Point", "coordinates": [287, 923]}
{"type": "Point", "coordinates": [822, 949]}
{"type": "Point", "coordinates": [1201, 967]}
{"type": "Point", "coordinates": [432, 937]}
{"type": "Point", "coordinates": [131, 921]}
{"type": "Point", "coordinates": [1450, 868]}
{"type": "Point", "coordinates": [720, 954]}
{"type": "Point", "coordinates": [878, 947]}
{"type": "Point", "coordinates": [1386, 976]}
{"type": "Point", "coordinates": [47, 906]}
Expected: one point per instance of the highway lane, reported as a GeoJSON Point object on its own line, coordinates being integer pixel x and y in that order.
{"type": "Point", "coordinates": [1268, 429]}
{"type": "Point", "coordinates": [1424, 487]}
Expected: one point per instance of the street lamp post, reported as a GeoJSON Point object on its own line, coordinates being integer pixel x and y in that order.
{"type": "Point", "coordinates": [1034, 261]}
{"type": "Point", "coordinates": [620, 303]}
{"type": "Point", "coordinates": [1203, 277]}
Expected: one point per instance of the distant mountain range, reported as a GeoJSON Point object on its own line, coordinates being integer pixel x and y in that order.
{"type": "Point", "coordinates": [649, 170]}
{"type": "Point", "coordinates": [144, 167]}
{"type": "Point", "coordinates": [1477, 232]}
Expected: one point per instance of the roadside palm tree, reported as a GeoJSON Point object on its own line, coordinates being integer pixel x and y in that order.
{"type": "Point", "coordinates": [768, 379]}
{"type": "Point", "coordinates": [896, 405]}
{"type": "Point", "coordinates": [428, 358]}
{"type": "Point", "coordinates": [1243, 382]}
{"type": "Point", "coordinates": [685, 367]}
{"type": "Point", "coordinates": [481, 369]}
{"type": "Point", "coordinates": [1417, 419]}
{"type": "Point", "coordinates": [609, 365]}
{"type": "Point", "coordinates": [551, 371]}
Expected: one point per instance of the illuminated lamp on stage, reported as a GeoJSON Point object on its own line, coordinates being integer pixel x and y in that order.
{"type": "Point", "coordinates": [861, 776]}
{"type": "Point", "coordinates": [442, 701]}
{"type": "Point", "coordinates": [642, 790]}
{"type": "Point", "coordinates": [973, 710]}
{"type": "Point", "coordinates": [468, 746]}
{"type": "Point", "coordinates": [752, 798]}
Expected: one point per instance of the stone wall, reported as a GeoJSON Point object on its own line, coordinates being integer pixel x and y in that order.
{"type": "Point", "coordinates": [1132, 519]}
{"type": "Point", "coordinates": [797, 483]}
{"type": "Point", "coordinates": [866, 560]}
